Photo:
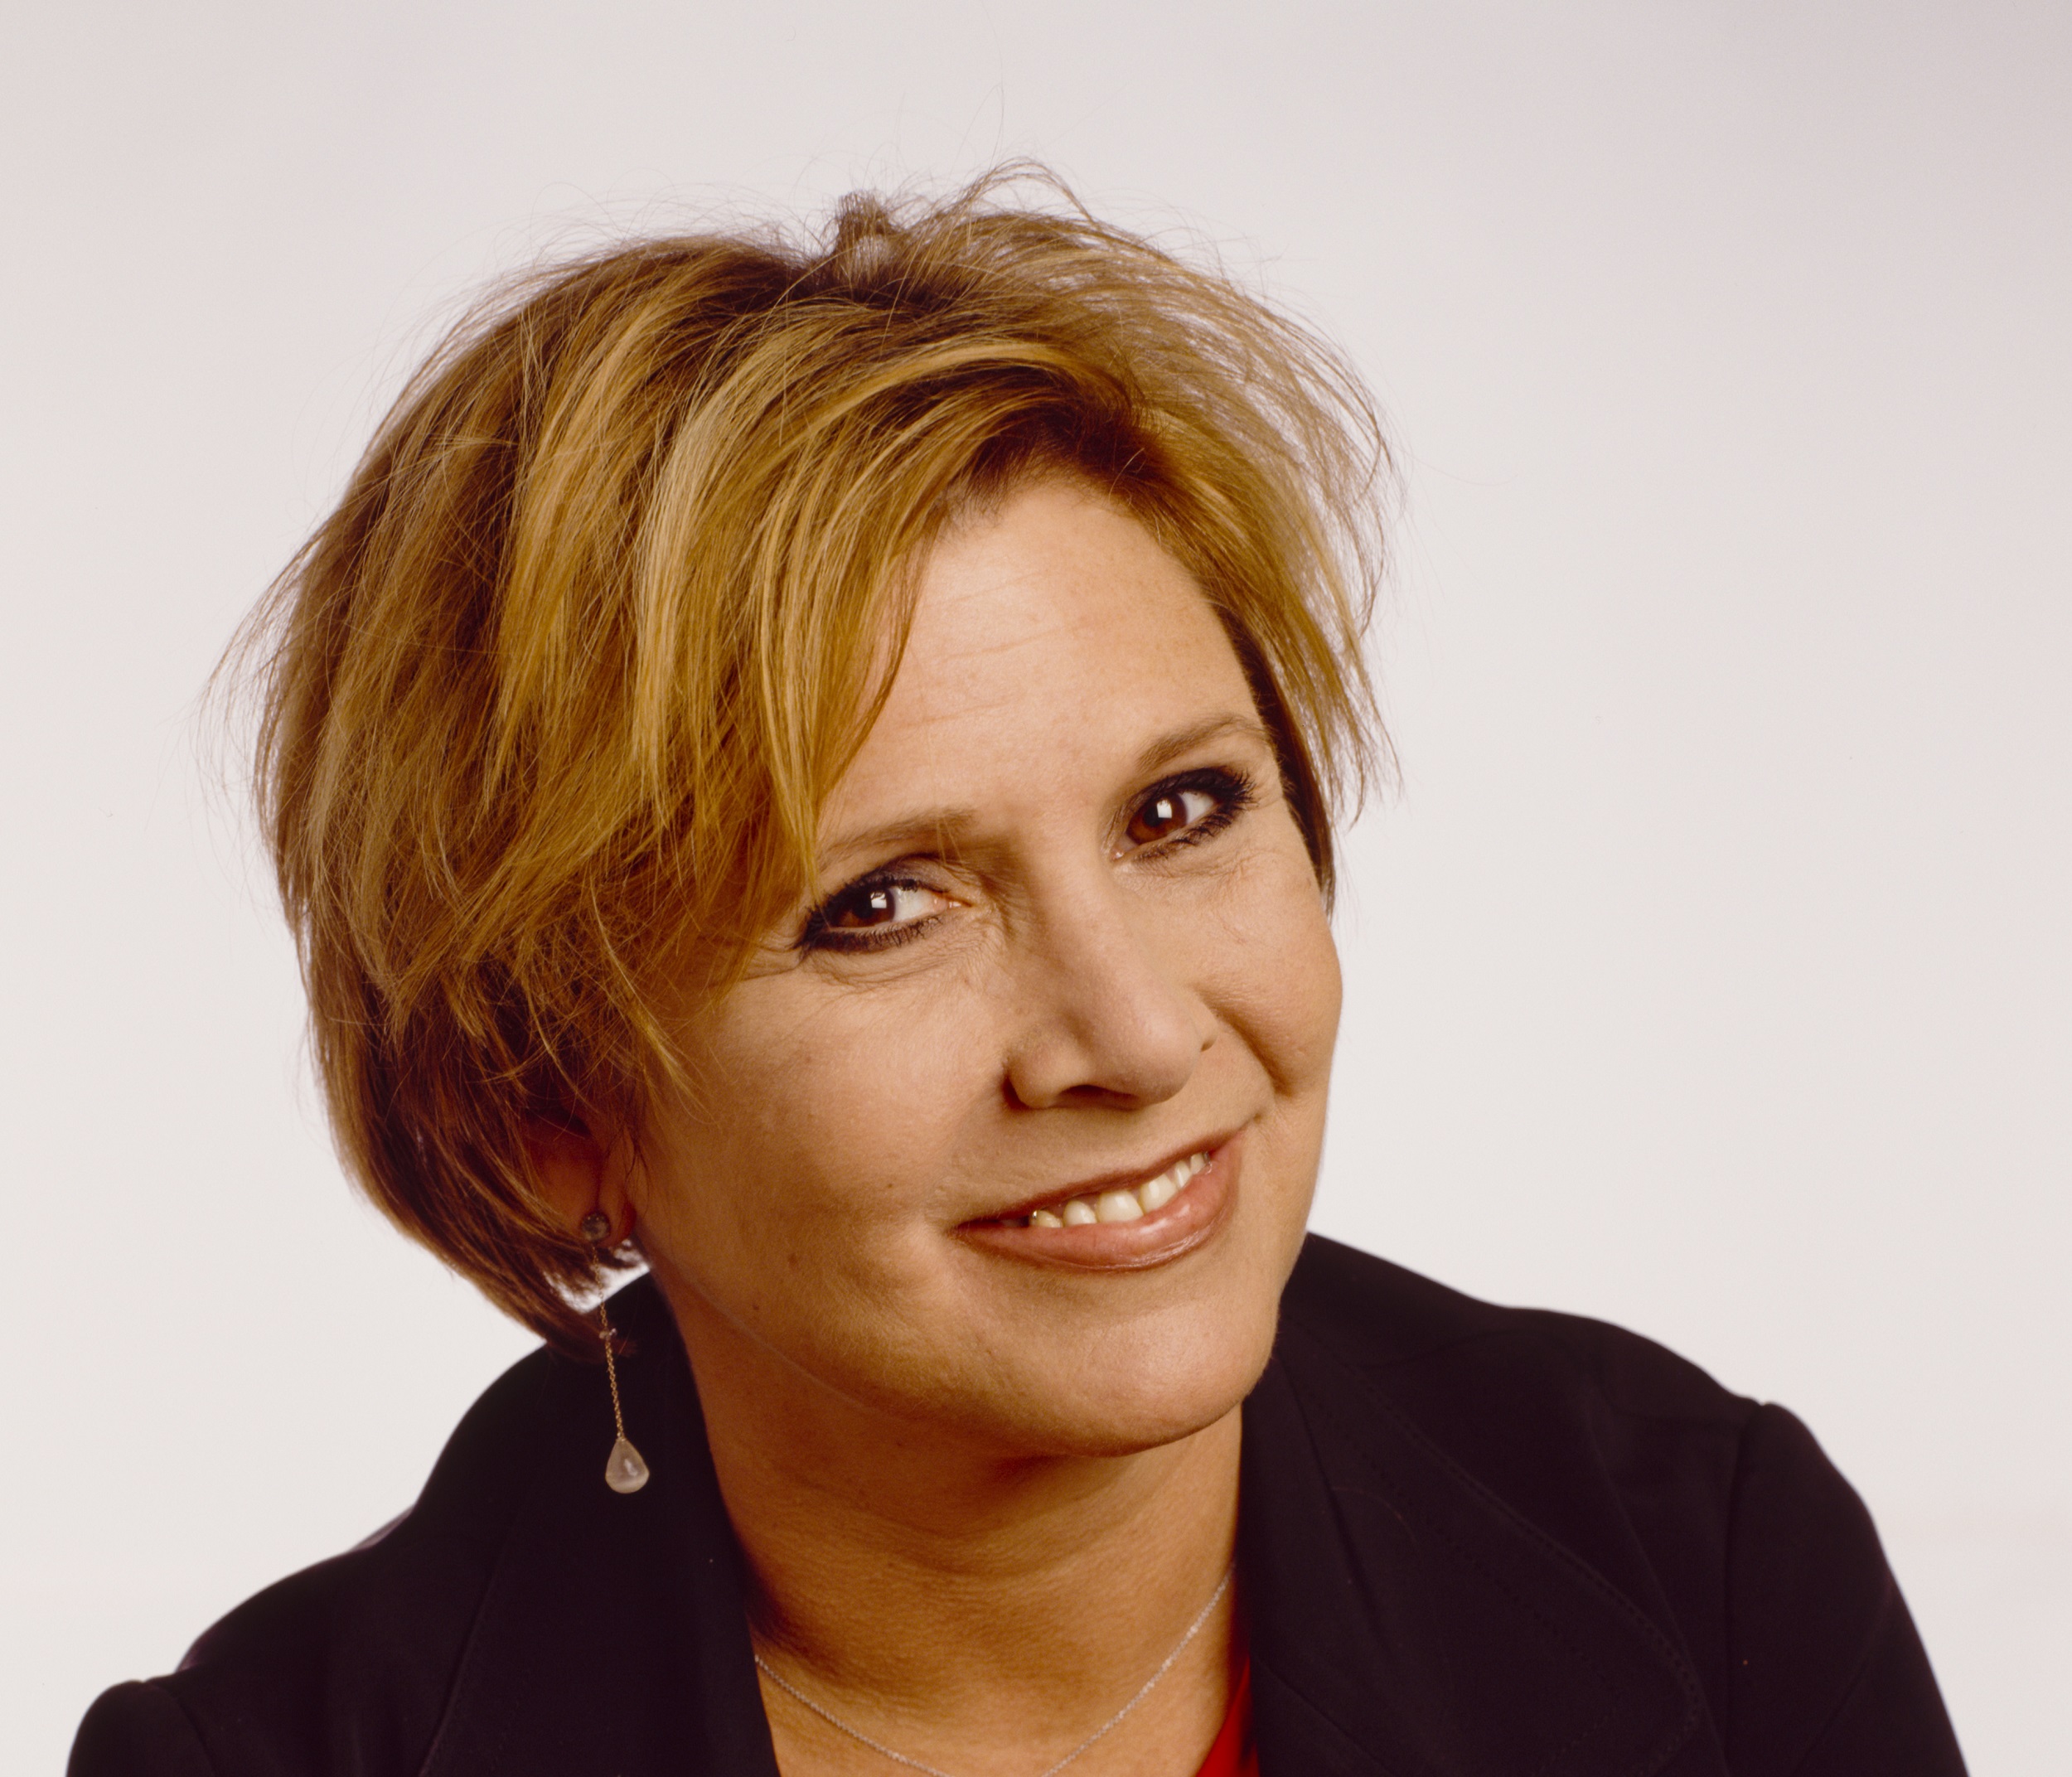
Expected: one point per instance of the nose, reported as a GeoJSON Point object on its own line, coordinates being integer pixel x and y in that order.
{"type": "Point", "coordinates": [1102, 1017]}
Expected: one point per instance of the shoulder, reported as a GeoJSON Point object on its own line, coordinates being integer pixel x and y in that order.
{"type": "Point", "coordinates": [478, 1631]}
{"type": "Point", "coordinates": [1620, 1450]}
{"type": "Point", "coordinates": [1390, 1323]}
{"type": "Point", "coordinates": [1538, 1406]}
{"type": "Point", "coordinates": [1719, 1517]}
{"type": "Point", "coordinates": [345, 1667]}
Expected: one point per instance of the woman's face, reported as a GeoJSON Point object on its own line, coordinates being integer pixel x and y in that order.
{"type": "Point", "coordinates": [1067, 940]}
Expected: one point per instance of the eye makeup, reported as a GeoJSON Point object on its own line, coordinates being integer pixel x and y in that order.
{"type": "Point", "coordinates": [1228, 792]}
{"type": "Point", "coordinates": [1185, 810]}
{"type": "Point", "coordinates": [864, 916]}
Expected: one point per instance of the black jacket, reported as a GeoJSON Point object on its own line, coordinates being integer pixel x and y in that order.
{"type": "Point", "coordinates": [1472, 1540]}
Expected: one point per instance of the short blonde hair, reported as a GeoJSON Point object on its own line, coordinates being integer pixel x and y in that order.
{"type": "Point", "coordinates": [558, 691]}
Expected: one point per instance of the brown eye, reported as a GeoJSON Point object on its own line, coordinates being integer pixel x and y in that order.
{"type": "Point", "coordinates": [862, 908]}
{"type": "Point", "coordinates": [1167, 812]}
{"type": "Point", "coordinates": [871, 914]}
{"type": "Point", "coordinates": [860, 911]}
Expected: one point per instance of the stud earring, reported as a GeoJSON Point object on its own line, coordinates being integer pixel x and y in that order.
{"type": "Point", "coordinates": [594, 1227]}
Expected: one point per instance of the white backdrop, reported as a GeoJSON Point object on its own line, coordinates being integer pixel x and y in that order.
{"type": "Point", "coordinates": [1710, 974]}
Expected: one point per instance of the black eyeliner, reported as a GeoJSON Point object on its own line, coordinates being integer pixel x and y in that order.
{"type": "Point", "coordinates": [1235, 792]}
{"type": "Point", "coordinates": [819, 935]}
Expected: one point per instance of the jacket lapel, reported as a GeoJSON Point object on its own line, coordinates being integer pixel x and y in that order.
{"type": "Point", "coordinates": [1404, 1620]}
{"type": "Point", "coordinates": [629, 1605]}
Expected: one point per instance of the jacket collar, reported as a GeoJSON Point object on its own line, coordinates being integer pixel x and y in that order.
{"type": "Point", "coordinates": [1404, 1620]}
{"type": "Point", "coordinates": [1401, 1618]}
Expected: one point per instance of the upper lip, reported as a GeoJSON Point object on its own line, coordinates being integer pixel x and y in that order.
{"type": "Point", "coordinates": [1124, 1178]}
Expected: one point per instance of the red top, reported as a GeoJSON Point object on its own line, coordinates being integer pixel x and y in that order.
{"type": "Point", "coordinates": [1233, 1754]}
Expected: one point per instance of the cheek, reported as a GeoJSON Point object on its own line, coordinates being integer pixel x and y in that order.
{"type": "Point", "coordinates": [808, 1129]}
{"type": "Point", "coordinates": [1276, 977]}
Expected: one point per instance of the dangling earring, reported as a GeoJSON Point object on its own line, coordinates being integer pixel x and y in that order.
{"type": "Point", "coordinates": [624, 1471]}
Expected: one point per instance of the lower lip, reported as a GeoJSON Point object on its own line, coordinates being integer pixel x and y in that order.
{"type": "Point", "coordinates": [1175, 1229]}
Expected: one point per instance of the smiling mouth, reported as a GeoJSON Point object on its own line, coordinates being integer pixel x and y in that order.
{"type": "Point", "coordinates": [1119, 1203]}
{"type": "Point", "coordinates": [1115, 1225]}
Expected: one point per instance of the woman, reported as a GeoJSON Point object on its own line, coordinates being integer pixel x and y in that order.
{"type": "Point", "coordinates": [813, 771]}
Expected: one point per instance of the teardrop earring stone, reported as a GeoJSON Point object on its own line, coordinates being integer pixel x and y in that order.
{"type": "Point", "coordinates": [624, 1472]}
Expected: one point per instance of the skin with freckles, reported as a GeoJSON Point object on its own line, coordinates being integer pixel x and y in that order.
{"type": "Point", "coordinates": [1066, 931]}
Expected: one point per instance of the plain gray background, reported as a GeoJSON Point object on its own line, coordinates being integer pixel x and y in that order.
{"type": "Point", "coordinates": [1709, 974]}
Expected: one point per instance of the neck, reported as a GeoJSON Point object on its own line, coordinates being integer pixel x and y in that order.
{"type": "Point", "coordinates": [957, 1598]}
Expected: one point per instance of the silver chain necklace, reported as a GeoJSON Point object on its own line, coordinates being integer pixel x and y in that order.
{"type": "Point", "coordinates": [1114, 1721]}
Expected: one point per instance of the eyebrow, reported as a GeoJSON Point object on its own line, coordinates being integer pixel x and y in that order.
{"type": "Point", "coordinates": [943, 826]}
{"type": "Point", "coordinates": [1163, 753]}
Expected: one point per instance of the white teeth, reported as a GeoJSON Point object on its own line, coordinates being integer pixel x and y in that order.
{"type": "Point", "coordinates": [1174, 1180]}
{"type": "Point", "coordinates": [1124, 1206]}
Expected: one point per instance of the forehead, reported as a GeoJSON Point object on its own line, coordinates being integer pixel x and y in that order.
{"type": "Point", "coordinates": [1051, 635]}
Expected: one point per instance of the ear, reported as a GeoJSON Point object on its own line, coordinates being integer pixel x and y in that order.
{"type": "Point", "coordinates": [581, 1166]}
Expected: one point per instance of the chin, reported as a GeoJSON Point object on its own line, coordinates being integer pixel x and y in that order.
{"type": "Point", "coordinates": [1143, 1391]}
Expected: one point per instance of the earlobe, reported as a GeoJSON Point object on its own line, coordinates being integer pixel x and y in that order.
{"type": "Point", "coordinates": [580, 1174]}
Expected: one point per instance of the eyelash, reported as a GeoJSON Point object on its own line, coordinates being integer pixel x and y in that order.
{"type": "Point", "coordinates": [1234, 792]}
{"type": "Point", "coordinates": [821, 935]}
